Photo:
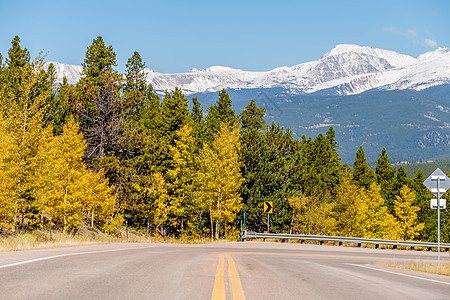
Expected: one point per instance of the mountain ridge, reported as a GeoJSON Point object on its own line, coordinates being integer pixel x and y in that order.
{"type": "Point", "coordinates": [346, 69]}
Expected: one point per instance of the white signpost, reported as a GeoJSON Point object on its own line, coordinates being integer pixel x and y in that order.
{"type": "Point", "coordinates": [438, 183]}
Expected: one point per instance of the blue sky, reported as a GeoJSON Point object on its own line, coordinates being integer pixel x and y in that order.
{"type": "Point", "coordinates": [175, 36]}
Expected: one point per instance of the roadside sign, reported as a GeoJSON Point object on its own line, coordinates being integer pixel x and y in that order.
{"type": "Point", "coordinates": [431, 182]}
{"type": "Point", "coordinates": [268, 207]}
{"type": "Point", "coordinates": [442, 204]}
{"type": "Point", "coordinates": [438, 183]}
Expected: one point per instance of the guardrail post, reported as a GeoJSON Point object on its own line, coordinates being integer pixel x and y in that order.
{"type": "Point", "coordinates": [359, 245]}
{"type": "Point", "coordinates": [394, 247]}
{"type": "Point", "coordinates": [377, 246]}
{"type": "Point", "coordinates": [340, 244]}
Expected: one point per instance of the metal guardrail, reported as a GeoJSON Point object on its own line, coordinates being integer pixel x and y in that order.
{"type": "Point", "coordinates": [341, 239]}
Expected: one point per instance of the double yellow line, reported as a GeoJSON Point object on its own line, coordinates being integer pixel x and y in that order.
{"type": "Point", "coordinates": [219, 282]}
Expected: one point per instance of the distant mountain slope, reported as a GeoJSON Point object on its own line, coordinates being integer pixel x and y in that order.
{"type": "Point", "coordinates": [345, 70]}
{"type": "Point", "coordinates": [411, 125]}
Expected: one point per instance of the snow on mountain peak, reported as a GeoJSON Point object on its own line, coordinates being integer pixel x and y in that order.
{"type": "Point", "coordinates": [219, 69]}
{"type": "Point", "coordinates": [344, 70]}
{"type": "Point", "coordinates": [344, 48]}
{"type": "Point", "coordinates": [392, 57]}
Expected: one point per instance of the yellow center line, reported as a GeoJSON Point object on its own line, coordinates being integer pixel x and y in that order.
{"type": "Point", "coordinates": [219, 282]}
{"type": "Point", "coordinates": [238, 292]}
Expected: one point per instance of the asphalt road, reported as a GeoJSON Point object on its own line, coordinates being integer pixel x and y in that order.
{"type": "Point", "coordinates": [247, 270]}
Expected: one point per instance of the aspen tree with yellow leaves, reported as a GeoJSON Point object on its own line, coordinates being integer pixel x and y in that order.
{"type": "Point", "coordinates": [180, 176]}
{"type": "Point", "coordinates": [218, 180]}
{"type": "Point", "coordinates": [378, 222]}
{"type": "Point", "coordinates": [406, 215]}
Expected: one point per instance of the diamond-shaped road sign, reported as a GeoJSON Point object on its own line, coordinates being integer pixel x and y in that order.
{"type": "Point", "coordinates": [432, 182]}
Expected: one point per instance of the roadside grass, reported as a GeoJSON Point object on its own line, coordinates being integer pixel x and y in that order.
{"type": "Point", "coordinates": [39, 239]}
{"type": "Point", "coordinates": [443, 269]}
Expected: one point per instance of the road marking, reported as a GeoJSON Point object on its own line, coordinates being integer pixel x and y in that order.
{"type": "Point", "coordinates": [401, 274]}
{"type": "Point", "coordinates": [69, 254]}
{"type": "Point", "coordinates": [238, 292]}
{"type": "Point", "coordinates": [219, 282]}
{"type": "Point", "coordinates": [328, 255]}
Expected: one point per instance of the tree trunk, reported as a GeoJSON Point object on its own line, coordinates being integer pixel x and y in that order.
{"type": "Point", "coordinates": [65, 211]}
{"type": "Point", "coordinates": [92, 217]}
{"type": "Point", "coordinates": [212, 224]}
{"type": "Point", "coordinates": [217, 230]}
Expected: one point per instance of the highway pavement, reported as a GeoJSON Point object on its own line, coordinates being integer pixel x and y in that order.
{"type": "Point", "coordinates": [248, 270]}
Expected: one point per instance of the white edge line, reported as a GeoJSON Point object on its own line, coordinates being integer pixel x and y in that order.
{"type": "Point", "coordinates": [396, 273]}
{"type": "Point", "coordinates": [68, 254]}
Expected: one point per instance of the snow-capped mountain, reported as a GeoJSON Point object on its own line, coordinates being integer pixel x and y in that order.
{"type": "Point", "coordinates": [345, 70]}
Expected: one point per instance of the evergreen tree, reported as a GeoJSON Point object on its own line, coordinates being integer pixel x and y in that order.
{"type": "Point", "coordinates": [17, 57]}
{"type": "Point", "coordinates": [99, 60]}
{"type": "Point", "coordinates": [363, 176]}
{"type": "Point", "coordinates": [384, 174]}
{"type": "Point", "coordinates": [135, 77]}
{"type": "Point", "coordinates": [252, 117]}
{"type": "Point", "coordinates": [218, 113]}
{"type": "Point", "coordinates": [400, 179]}
{"type": "Point", "coordinates": [198, 125]}
{"type": "Point", "coordinates": [57, 110]}
{"type": "Point", "coordinates": [322, 169]}
{"type": "Point", "coordinates": [425, 215]}
{"type": "Point", "coordinates": [100, 110]}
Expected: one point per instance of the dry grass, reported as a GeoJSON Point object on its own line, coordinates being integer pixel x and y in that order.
{"type": "Point", "coordinates": [41, 239]}
{"type": "Point", "coordinates": [442, 269]}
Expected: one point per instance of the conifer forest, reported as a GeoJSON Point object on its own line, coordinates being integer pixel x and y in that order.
{"type": "Point", "coordinates": [109, 150]}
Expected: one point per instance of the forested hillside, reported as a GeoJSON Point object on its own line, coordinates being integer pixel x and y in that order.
{"type": "Point", "coordinates": [109, 149]}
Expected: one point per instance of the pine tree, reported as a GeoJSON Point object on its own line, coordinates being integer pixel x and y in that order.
{"type": "Point", "coordinates": [135, 77]}
{"type": "Point", "coordinates": [99, 112]}
{"type": "Point", "coordinates": [384, 173]}
{"type": "Point", "coordinates": [17, 57]}
{"type": "Point", "coordinates": [218, 113]}
{"type": "Point", "coordinates": [322, 173]}
{"type": "Point", "coordinates": [174, 115]}
{"type": "Point", "coordinates": [198, 125]}
{"type": "Point", "coordinates": [57, 110]}
{"type": "Point", "coordinates": [99, 60]}
{"type": "Point", "coordinates": [252, 117]}
{"type": "Point", "coordinates": [400, 179]}
{"type": "Point", "coordinates": [363, 176]}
